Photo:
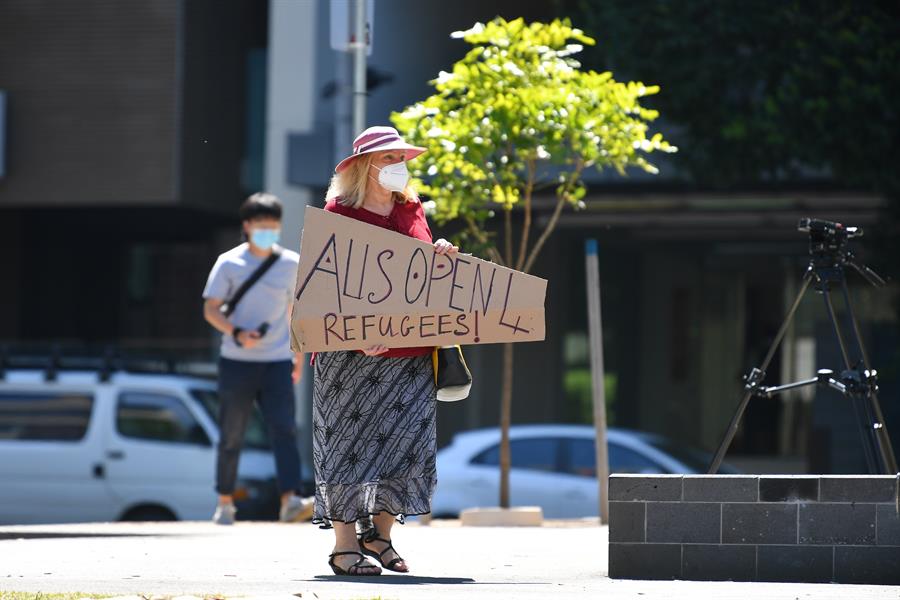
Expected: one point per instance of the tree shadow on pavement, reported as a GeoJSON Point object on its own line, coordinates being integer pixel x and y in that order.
{"type": "Point", "coordinates": [394, 579]}
{"type": "Point", "coordinates": [414, 580]}
{"type": "Point", "coordinates": [49, 535]}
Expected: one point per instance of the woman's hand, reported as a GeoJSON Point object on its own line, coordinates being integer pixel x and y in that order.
{"type": "Point", "coordinates": [442, 246]}
{"type": "Point", "coordinates": [375, 350]}
{"type": "Point", "coordinates": [297, 371]}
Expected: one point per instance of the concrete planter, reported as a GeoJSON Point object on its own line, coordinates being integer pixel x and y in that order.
{"type": "Point", "coordinates": [801, 528]}
{"type": "Point", "coordinates": [518, 516]}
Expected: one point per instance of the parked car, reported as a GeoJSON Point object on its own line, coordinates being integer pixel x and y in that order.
{"type": "Point", "coordinates": [79, 446]}
{"type": "Point", "coordinates": [552, 466]}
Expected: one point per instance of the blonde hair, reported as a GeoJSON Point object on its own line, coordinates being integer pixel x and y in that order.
{"type": "Point", "coordinates": [349, 186]}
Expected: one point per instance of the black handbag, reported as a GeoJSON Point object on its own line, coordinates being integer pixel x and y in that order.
{"type": "Point", "coordinates": [451, 374]}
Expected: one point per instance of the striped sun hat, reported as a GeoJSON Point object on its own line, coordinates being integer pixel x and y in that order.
{"type": "Point", "coordinates": [377, 139]}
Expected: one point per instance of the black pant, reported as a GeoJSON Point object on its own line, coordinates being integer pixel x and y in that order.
{"type": "Point", "coordinates": [269, 383]}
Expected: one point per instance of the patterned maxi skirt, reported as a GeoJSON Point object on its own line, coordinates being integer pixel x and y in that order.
{"type": "Point", "coordinates": [374, 437]}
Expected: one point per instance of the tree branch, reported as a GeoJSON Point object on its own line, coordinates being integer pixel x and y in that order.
{"type": "Point", "coordinates": [551, 225]}
{"type": "Point", "coordinates": [481, 237]}
{"type": "Point", "coordinates": [507, 227]}
{"type": "Point", "coordinates": [526, 225]}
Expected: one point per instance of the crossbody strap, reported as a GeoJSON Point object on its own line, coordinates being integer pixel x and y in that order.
{"type": "Point", "coordinates": [230, 305]}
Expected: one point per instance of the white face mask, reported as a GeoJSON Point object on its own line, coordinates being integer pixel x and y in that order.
{"type": "Point", "coordinates": [393, 177]}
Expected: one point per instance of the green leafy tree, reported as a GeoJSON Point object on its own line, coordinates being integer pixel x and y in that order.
{"type": "Point", "coordinates": [765, 92]}
{"type": "Point", "coordinates": [769, 93]}
{"type": "Point", "coordinates": [517, 116]}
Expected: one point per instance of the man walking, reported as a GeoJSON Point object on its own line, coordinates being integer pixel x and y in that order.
{"type": "Point", "coordinates": [248, 298]}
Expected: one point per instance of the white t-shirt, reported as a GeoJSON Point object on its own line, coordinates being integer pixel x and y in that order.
{"type": "Point", "coordinates": [265, 302]}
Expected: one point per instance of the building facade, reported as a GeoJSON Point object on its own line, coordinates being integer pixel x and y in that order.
{"type": "Point", "coordinates": [134, 131]}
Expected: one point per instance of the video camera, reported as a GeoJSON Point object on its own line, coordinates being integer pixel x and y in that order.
{"type": "Point", "coordinates": [827, 237]}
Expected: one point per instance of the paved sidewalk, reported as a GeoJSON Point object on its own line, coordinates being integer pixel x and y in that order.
{"type": "Point", "coordinates": [559, 560]}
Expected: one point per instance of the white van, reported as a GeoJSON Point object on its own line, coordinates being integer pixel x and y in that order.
{"type": "Point", "coordinates": [79, 446]}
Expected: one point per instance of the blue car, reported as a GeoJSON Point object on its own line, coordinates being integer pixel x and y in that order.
{"type": "Point", "coordinates": [553, 466]}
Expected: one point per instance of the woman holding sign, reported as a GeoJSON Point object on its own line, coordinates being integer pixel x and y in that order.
{"type": "Point", "coordinates": [374, 409]}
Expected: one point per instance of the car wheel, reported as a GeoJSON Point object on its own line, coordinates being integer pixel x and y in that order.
{"type": "Point", "coordinates": [149, 513]}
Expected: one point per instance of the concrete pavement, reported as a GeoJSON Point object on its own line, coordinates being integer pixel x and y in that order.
{"type": "Point", "coordinates": [558, 560]}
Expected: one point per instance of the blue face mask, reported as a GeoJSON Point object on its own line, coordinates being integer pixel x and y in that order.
{"type": "Point", "coordinates": [264, 238]}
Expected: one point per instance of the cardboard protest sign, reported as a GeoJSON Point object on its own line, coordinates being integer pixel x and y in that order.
{"type": "Point", "coordinates": [359, 285]}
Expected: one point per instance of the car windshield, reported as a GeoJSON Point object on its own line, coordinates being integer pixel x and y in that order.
{"type": "Point", "coordinates": [255, 437]}
{"type": "Point", "coordinates": [698, 460]}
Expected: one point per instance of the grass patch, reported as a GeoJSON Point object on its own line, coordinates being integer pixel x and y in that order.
{"type": "Point", "coordinates": [80, 595]}
{"type": "Point", "coordinates": [44, 596]}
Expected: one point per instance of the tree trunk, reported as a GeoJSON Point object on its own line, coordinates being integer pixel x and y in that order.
{"type": "Point", "coordinates": [506, 392]}
{"type": "Point", "coordinates": [505, 420]}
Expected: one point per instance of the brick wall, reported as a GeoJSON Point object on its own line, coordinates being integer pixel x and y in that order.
{"type": "Point", "coordinates": [841, 529]}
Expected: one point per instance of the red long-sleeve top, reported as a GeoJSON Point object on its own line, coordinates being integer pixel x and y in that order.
{"type": "Point", "coordinates": [407, 218]}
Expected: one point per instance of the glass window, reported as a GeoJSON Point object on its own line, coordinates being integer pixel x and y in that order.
{"type": "Point", "coordinates": [697, 461]}
{"type": "Point", "coordinates": [34, 416]}
{"type": "Point", "coordinates": [625, 460]}
{"type": "Point", "coordinates": [255, 436]}
{"type": "Point", "coordinates": [533, 454]}
{"type": "Point", "coordinates": [582, 459]}
{"type": "Point", "coordinates": [159, 418]}
{"type": "Point", "coordinates": [489, 457]}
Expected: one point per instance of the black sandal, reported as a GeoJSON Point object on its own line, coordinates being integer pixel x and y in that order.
{"type": "Point", "coordinates": [372, 536]}
{"type": "Point", "coordinates": [354, 569]}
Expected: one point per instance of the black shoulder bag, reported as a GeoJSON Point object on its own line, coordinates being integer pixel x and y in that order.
{"type": "Point", "coordinates": [451, 374]}
{"type": "Point", "coordinates": [228, 307]}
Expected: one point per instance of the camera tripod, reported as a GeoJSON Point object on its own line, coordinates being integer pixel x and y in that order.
{"type": "Point", "coordinates": [858, 381]}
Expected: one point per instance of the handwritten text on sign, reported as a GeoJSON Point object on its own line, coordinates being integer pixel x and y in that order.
{"type": "Point", "coordinates": [359, 285]}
